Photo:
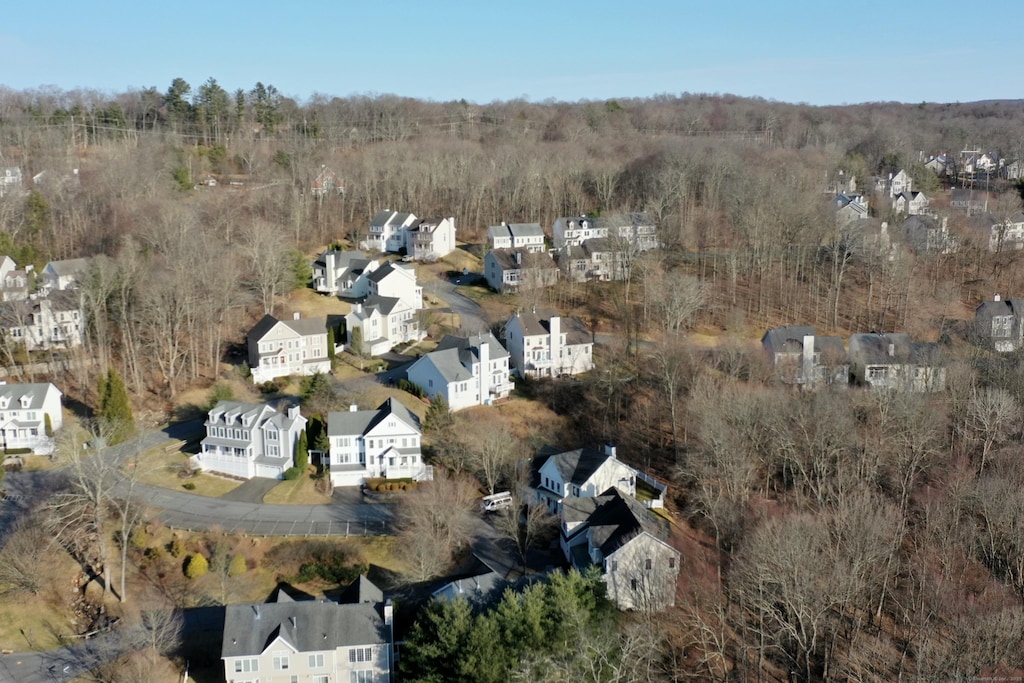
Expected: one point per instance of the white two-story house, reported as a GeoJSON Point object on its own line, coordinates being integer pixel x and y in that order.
{"type": "Point", "coordinates": [580, 473]}
{"type": "Point", "coordinates": [397, 281]}
{"type": "Point", "coordinates": [547, 345]}
{"type": "Point", "coordinates": [44, 322]}
{"type": "Point", "coordinates": [314, 641]}
{"type": "Point", "coordinates": [388, 230]}
{"type": "Point", "coordinates": [367, 444]}
{"type": "Point", "coordinates": [279, 348]}
{"type": "Point", "coordinates": [465, 371]}
{"type": "Point", "coordinates": [342, 273]}
{"type": "Point", "coordinates": [67, 274]}
{"type": "Point", "coordinates": [430, 238]}
{"type": "Point", "coordinates": [635, 228]}
{"type": "Point", "coordinates": [526, 236]}
{"type": "Point", "coordinates": [249, 440]}
{"type": "Point", "coordinates": [30, 414]}
{"type": "Point", "coordinates": [382, 322]}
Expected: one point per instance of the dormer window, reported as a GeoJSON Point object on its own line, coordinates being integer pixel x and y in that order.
{"type": "Point", "coordinates": [4, 402]}
{"type": "Point", "coordinates": [25, 401]}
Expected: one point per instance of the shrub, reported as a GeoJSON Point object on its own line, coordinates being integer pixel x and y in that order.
{"type": "Point", "coordinates": [139, 539]}
{"type": "Point", "coordinates": [177, 548]}
{"type": "Point", "coordinates": [237, 567]}
{"type": "Point", "coordinates": [292, 473]}
{"type": "Point", "coordinates": [411, 387]}
{"type": "Point", "coordinates": [196, 566]}
{"type": "Point", "coordinates": [189, 486]}
{"type": "Point", "coordinates": [269, 387]}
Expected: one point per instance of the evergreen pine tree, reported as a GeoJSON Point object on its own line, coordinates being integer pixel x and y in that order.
{"type": "Point", "coordinates": [439, 415]}
{"type": "Point", "coordinates": [115, 410]}
{"type": "Point", "coordinates": [302, 452]}
{"type": "Point", "coordinates": [330, 344]}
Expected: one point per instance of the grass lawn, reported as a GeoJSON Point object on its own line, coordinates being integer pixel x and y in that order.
{"type": "Point", "coordinates": [301, 491]}
{"type": "Point", "coordinates": [160, 468]}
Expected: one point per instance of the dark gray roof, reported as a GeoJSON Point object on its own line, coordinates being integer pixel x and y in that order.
{"type": "Point", "coordinates": [469, 346]}
{"type": "Point", "coordinates": [506, 258]}
{"type": "Point", "coordinates": [307, 625]}
{"type": "Point", "coordinates": [575, 466]}
{"type": "Point", "coordinates": [361, 590]}
{"type": "Point", "coordinates": [790, 338]}
{"type": "Point", "coordinates": [345, 259]}
{"type": "Point", "coordinates": [362, 421]}
{"type": "Point", "coordinates": [614, 519]}
{"type": "Point", "coordinates": [302, 326]}
{"type": "Point", "coordinates": [873, 349]}
{"type": "Point", "coordinates": [385, 304]}
{"type": "Point", "coordinates": [381, 273]}
{"type": "Point", "coordinates": [989, 309]}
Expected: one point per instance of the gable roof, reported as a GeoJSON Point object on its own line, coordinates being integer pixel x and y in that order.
{"type": "Point", "coordinates": [506, 259]}
{"type": "Point", "coordinates": [990, 309]}
{"type": "Point", "coordinates": [576, 466]}
{"type": "Point", "coordinates": [359, 422]}
{"type": "Point", "coordinates": [306, 625]}
{"type": "Point", "coordinates": [468, 347]}
{"type": "Point", "coordinates": [34, 392]}
{"type": "Point", "coordinates": [538, 322]}
{"type": "Point", "coordinates": [614, 519]}
{"type": "Point", "coordinates": [873, 349]}
{"type": "Point", "coordinates": [68, 267]}
{"type": "Point", "coordinates": [303, 326]}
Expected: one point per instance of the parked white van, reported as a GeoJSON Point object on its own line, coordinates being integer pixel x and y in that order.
{"type": "Point", "coordinates": [496, 501]}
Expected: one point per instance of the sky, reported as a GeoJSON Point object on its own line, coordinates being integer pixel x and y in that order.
{"type": "Point", "coordinates": [567, 50]}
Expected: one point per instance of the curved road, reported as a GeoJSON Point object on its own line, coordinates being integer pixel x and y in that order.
{"type": "Point", "coordinates": [180, 509]}
{"type": "Point", "coordinates": [470, 313]}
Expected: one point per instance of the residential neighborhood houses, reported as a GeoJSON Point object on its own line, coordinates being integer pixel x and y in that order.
{"type": "Point", "coordinates": [539, 346]}
{"type": "Point", "coordinates": [325, 640]}
{"type": "Point", "coordinates": [30, 416]}
{"type": "Point", "coordinates": [380, 443]}
{"type": "Point", "coordinates": [466, 371]}
{"type": "Point", "coordinates": [423, 240]}
{"type": "Point", "coordinates": [278, 348]}
{"type": "Point", "coordinates": [247, 440]}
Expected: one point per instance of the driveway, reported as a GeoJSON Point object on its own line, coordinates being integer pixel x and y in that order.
{"type": "Point", "coordinates": [251, 491]}
{"type": "Point", "coordinates": [472, 316]}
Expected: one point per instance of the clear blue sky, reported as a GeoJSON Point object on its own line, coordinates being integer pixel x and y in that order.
{"type": "Point", "coordinates": [793, 51]}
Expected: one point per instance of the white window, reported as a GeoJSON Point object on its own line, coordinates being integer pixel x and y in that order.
{"type": "Point", "coordinates": [316, 661]}
{"type": "Point", "coordinates": [360, 654]}
{"type": "Point", "coordinates": [247, 665]}
{"type": "Point", "coordinates": [281, 662]}
{"type": "Point", "coordinates": [361, 677]}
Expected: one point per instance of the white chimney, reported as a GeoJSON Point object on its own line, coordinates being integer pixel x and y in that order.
{"type": "Point", "coordinates": [807, 358]}
{"type": "Point", "coordinates": [555, 327]}
{"type": "Point", "coordinates": [996, 297]}
{"type": "Point", "coordinates": [892, 349]}
{"type": "Point", "coordinates": [609, 450]}
{"type": "Point", "coordinates": [293, 412]}
{"type": "Point", "coordinates": [353, 408]}
{"type": "Point", "coordinates": [485, 368]}
{"type": "Point", "coordinates": [389, 613]}
{"type": "Point", "coordinates": [296, 315]}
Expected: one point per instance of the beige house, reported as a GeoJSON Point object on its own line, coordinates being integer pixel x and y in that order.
{"type": "Point", "coordinates": [279, 348]}
{"type": "Point", "coordinates": [313, 641]}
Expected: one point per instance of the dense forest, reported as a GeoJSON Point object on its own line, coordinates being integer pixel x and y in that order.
{"type": "Point", "coordinates": [837, 535]}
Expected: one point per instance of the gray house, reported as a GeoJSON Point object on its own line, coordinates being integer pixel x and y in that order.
{"type": "Point", "coordinates": [1001, 322]}
{"type": "Point", "coordinates": [801, 357]}
{"type": "Point", "coordinates": [628, 543]}
{"type": "Point", "coordinates": [893, 361]}
{"type": "Point", "coordinates": [321, 641]}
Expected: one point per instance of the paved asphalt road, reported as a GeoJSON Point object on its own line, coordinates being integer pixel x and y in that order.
{"type": "Point", "coordinates": [470, 312]}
